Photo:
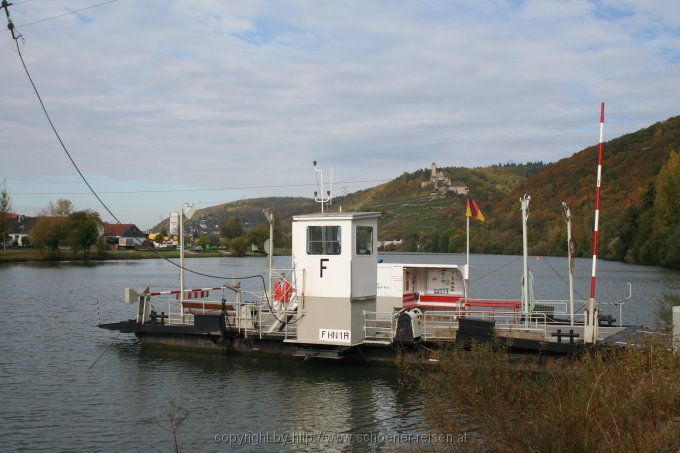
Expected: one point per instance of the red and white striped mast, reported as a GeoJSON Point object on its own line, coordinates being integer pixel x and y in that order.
{"type": "Point", "coordinates": [591, 308]}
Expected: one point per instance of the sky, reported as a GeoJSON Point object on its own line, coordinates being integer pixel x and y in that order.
{"type": "Point", "coordinates": [159, 100]}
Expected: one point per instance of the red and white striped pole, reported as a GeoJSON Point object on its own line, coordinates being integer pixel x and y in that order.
{"type": "Point", "coordinates": [597, 203]}
{"type": "Point", "coordinates": [590, 334]}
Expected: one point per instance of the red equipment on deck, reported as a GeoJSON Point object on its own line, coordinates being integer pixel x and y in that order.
{"type": "Point", "coordinates": [440, 302]}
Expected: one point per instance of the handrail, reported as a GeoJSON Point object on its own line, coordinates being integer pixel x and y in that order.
{"type": "Point", "coordinates": [379, 326]}
{"type": "Point", "coordinates": [504, 319]}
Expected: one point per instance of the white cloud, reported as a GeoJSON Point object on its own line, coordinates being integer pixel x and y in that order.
{"type": "Point", "coordinates": [213, 93]}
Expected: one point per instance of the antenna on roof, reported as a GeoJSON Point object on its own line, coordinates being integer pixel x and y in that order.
{"type": "Point", "coordinates": [319, 195]}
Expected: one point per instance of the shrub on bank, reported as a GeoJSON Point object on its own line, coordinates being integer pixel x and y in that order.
{"type": "Point", "coordinates": [608, 400]}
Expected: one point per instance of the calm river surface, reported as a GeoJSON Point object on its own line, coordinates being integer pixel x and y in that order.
{"type": "Point", "coordinates": [53, 401]}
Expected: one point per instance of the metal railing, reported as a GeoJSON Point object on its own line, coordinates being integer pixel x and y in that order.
{"type": "Point", "coordinates": [255, 318]}
{"type": "Point", "coordinates": [561, 308]}
{"type": "Point", "coordinates": [552, 307]}
{"type": "Point", "coordinates": [379, 327]}
{"type": "Point", "coordinates": [442, 325]}
{"type": "Point", "coordinates": [296, 278]}
{"type": "Point", "coordinates": [186, 319]}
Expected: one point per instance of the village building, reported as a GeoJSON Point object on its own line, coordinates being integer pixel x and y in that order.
{"type": "Point", "coordinates": [395, 243]}
{"type": "Point", "coordinates": [20, 227]}
{"type": "Point", "coordinates": [113, 232]}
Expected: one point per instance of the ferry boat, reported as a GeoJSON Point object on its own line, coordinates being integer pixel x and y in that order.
{"type": "Point", "coordinates": [337, 301]}
{"type": "Point", "coordinates": [341, 303]}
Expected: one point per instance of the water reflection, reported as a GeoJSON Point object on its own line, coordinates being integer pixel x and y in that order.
{"type": "Point", "coordinates": [239, 395]}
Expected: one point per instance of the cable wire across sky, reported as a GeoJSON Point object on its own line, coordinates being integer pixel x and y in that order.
{"type": "Point", "coordinates": [87, 183]}
{"type": "Point", "coordinates": [61, 15]}
{"type": "Point", "coordinates": [202, 189]}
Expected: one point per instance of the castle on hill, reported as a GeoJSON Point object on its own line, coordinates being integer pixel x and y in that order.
{"type": "Point", "coordinates": [440, 183]}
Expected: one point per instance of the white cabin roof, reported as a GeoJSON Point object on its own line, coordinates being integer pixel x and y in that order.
{"type": "Point", "coordinates": [337, 216]}
{"type": "Point", "coordinates": [428, 266]}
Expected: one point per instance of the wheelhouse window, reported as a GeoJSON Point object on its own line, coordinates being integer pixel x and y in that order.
{"type": "Point", "coordinates": [323, 240]}
{"type": "Point", "coordinates": [364, 240]}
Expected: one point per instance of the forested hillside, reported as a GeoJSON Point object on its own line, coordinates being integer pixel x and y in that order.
{"type": "Point", "coordinates": [640, 202]}
{"type": "Point", "coordinates": [435, 223]}
{"type": "Point", "coordinates": [640, 206]}
{"type": "Point", "coordinates": [640, 215]}
{"type": "Point", "coordinates": [249, 211]}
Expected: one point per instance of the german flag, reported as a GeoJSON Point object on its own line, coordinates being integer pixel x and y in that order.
{"type": "Point", "coordinates": [472, 210]}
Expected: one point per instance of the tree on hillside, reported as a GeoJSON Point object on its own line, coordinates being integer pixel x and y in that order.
{"type": "Point", "coordinates": [5, 208]}
{"type": "Point", "coordinates": [666, 228]}
{"type": "Point", "coordinates": [49, 233]}
{"type": "Point", "coordinates": [231, 228]}
{"type": "Point", "coordinates": [83, 228]}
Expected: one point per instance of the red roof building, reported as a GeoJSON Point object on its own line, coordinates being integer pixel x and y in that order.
{"type": "Point", "coordinates": [127, 230]}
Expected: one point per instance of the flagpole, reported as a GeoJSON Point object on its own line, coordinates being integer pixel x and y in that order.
{"type": "Point", "coordinates": [467, 253]}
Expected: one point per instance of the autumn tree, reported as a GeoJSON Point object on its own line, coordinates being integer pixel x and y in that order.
{"type": "Point", "coordinates": [62, 208]}
{"type": "Point", "coordinates": [666, 227]}
{"type": "Point", "coordinates": [49, 233]}
{"type": "Point", "coordinates": [5, 208]}
{"type": "Point", "coordinates": [83, 229]}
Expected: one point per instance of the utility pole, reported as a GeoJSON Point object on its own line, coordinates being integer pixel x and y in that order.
{"type": "Point", "coordinates": [525, 289]}
{"type": "Point", "coordinates": [570, 254]}
{"type": "Point", "coordinates": [269, 214]}
{"type": "Point", "coordinates": [181, 257]}
{"type": "Point", "coordinates": [10, 25]}
{"type": "Point", "coordinates": [188, 214]}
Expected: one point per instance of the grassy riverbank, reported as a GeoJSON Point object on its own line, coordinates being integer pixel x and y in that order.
{"type": "Point", "coordinates": [17, 255]}
{"type": "Point", "coordinates": [607, 401]}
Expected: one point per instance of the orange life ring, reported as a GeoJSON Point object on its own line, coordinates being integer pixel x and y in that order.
{"type": "Point", "coordinates": [283, 291]}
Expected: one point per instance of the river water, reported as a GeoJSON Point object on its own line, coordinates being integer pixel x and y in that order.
{"type": "Point", "coordinates": [56, 395]}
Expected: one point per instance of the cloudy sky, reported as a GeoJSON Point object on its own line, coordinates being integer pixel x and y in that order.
{"type": "Point", "coordinates": [155, 97]}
